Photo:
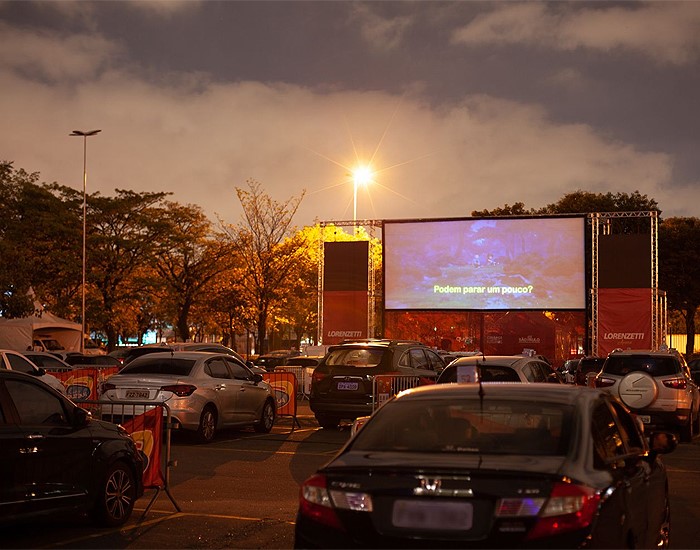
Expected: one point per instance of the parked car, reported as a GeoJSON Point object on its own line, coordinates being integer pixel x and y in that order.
{"type": "Point", "coordinates": [568, 371]}
{"type": "Point", "coordinates": [80, 361]}
{"type": "Point", "coordinates": [501, 368]}
{"type": "Point", "coordinates": [341, 387]}
{"type": "Point", "coordinates": [47, 361]}
{"type": "Point", "coordinates": [657, 386]}
{"type": "Point", "coordinates": [56, 458]}
{"type": "Point", "coordinates": [138, 351]}
{"type": "Point", "coordinates": [205, 391]}
{"type": "Point", "coordinates": [13, 360]}
{"type": "Point", "coordinates": [498, 466]}
{"type": "Point", "coordinates": [587, 369]}
{"type": "Point", "coordinates": [276, 358]}
{"type": "Point", "coordinates": [308, 361]}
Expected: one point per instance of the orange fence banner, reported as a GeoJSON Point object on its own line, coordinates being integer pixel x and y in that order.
{"type": "Point", "coordinates": [285, 389]}
{"type": "Point", "coordinates": [84, 384]}
{"type": "Point", "coordinates": [147, 431]}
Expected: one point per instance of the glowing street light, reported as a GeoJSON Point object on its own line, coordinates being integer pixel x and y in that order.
{"type": "Point", "coordinates": [361, 175]}
{"type": "Point", "coordinates": [84, 135]}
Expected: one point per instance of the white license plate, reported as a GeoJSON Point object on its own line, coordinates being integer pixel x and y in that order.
{"type": "Point", "coordinates": [137, 394]}
{"type": "Point", "coordinates": [418, 514]}
{"type": "Point", "coordinates": [352, 386]}
{"type": "Point", "coordinates": [645, 418]}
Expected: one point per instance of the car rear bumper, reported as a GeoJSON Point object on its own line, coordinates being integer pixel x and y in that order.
{"type": "Point", "coordinates": [340, 409]}
{"type": "Point", "coordinates": [659, 420]}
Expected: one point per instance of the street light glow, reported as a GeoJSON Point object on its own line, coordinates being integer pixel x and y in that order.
{"type": "Point", "coordinates": [362, 175]}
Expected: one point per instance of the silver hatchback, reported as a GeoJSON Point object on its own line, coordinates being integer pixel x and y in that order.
{"type": "Point", "coordinates": [204, 391]}
{"type": "Point", "coordinates": [657, 386]}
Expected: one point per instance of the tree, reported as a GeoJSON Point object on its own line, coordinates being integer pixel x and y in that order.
{"type": "Point", "coordinates": [264, 245]}
{"type": "Point", "coordinates": [189, 258]}
{"type": "Point", "coordinates": [124, 230]}
{"type": "Point", "coordinates": [679, 269]}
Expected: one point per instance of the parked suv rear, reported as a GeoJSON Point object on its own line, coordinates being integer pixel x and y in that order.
{"type": "Point", "coordinates": [657, 386]}
{"type": "Point", "coordinates": [341, 387]}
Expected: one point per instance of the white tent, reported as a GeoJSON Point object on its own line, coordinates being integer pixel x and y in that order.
{"type": "Point", "coordinates": [19, 334]}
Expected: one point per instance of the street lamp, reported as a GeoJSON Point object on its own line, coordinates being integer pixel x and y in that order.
{"type": "Point", "coordinates": [361, 175]}
{"type": "Point", "coordinates": [84, 135]}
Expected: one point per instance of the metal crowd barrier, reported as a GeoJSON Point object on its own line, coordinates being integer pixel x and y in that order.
{"type": "Point", "coordinates": [303, 376]}
{"type": "Point", "coordinates": [123, 413]}
{"type": "Point", "coordinates": [385, 386]}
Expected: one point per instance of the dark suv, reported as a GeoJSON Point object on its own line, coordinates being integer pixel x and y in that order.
{"type": "Point", "coordinates": [657, 386]}
{"type": "Point", "coordinates": [341, 387]}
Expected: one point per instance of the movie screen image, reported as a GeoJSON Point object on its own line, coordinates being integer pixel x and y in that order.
{"type": "Point", "coordinates": [485, 264]}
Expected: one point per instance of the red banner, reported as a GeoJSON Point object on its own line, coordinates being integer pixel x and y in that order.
{"type": "Point", "coordinates": [84, 384]}
{"type": "Point", "coordinates": [624, 319]}
{"type": "Point", "coordinates": [344, 315]}
{"type": "Point", "coordinates": [147, 430]}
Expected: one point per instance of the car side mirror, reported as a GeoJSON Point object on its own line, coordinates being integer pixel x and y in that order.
{"type": "Point", "coordinates": [80, 417]}
{"type": "Point", "coordinates": [257, 377]}
{"type": "Point", "coordinates": [40, 371]}
{"type": "Point", "coordinates": [662, 442]}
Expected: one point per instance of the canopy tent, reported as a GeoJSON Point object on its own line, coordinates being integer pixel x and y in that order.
{"type": "Point", "coordinates": [19, 334]}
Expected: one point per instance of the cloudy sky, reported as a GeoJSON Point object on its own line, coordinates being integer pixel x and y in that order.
{"type": "Point", "coordinates": [457, 105]}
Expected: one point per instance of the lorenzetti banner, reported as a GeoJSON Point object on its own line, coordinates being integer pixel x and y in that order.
{"type": "Point", "coordinates": [344, 315]}
{"type": "Point", "coordinates": [345, 291]}
{"type": "Point", "coordinates": [624, 319]}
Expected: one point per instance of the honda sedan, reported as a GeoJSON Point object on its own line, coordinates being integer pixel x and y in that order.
{"type": "Point", "coordinates": [507, 465]}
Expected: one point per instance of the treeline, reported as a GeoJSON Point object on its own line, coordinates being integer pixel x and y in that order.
{"type": "Point", "coordinates": [155, 264]}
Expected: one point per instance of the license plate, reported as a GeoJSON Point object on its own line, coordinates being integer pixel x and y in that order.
{"type": "Point", "coordinates": [645, 418]}
{"type": "Point", "coordinates": [352, 386]}
{"type": "Point", "coordinates": [417, 514]}
{"type": "Point", "coordinates": [137, 394]}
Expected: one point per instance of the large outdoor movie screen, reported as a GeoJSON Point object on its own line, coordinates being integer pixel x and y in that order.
{"type": "Point", "coordinates": [485, 264]}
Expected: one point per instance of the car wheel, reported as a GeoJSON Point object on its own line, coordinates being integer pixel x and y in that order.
{"type": "Point", "coordinates": [267, 418]}
{"type": "Point", "coordinates": [327, 422]}
{"type": "Point", "coordinates": [116, 497]}
{"type": "Point", "coordinates": [687, 429]}
{"type": "Point", "coordinates": [207, 425]}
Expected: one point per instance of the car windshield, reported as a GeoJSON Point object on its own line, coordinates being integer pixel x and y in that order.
{"type": "Point", "coordinates": [510, 427]}
{"type": "Point", "coordinates": [653, 365]}
{"type": "Point", "coordinates": [489, 373]}
{"type": "Point", "coordinates": [357, 357]}
{"type": "Point", "coordinates": [179, 367]}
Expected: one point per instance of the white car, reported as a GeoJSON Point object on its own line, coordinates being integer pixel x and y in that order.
{"type": "Point", "coordinates": [204, 391]}
{"type": "Point", "coordinates": [14, 360]}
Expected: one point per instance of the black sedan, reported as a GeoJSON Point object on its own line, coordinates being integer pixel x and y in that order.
{"type": "Point", "coordinates": [55, 458]}
{"type": "Point", "coordinates": [499, 465]}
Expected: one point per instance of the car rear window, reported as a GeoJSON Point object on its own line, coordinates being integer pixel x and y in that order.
{"type": "Point", "coordinates": [357, 357]}
{"type": "Point", "coordinates": [488, 374]}
{"type": "Point", "coordinates": [510, 427]}
{"type": "Point", "coordinates": [653, 365]}
{"type": "Point", "coordinates": [179, 367]}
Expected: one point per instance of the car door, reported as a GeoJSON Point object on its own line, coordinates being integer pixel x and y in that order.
{"type": "Point", "coordinates": [623, 520]}
{"type": "Point", "coordinates": [251, 394]}
{"type": "Point", "coordinates": [225, 389]}
{"type": "Point", "coordinates": [13, 463]}
{"type": "Point", "coordinates": [58, 455]}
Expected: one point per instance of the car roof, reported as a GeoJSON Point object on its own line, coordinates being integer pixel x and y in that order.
{"type": "Point", "coordinates": [495, 360]}
{"type": "Point", "coordinates": [180, 355]}
{"type": "Point", "coordinates": [664, 353]}
{"type": "Point", "coordinates": [559, 393]}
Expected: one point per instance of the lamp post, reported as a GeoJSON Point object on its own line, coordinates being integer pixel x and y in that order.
{"type": "Point", "coordinates": [84, 135]}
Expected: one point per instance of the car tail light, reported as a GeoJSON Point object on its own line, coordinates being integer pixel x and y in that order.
{"type": "Point", "coordinates": [570, 507]}
{"type": "Point", "coordinates": [676, 383]}
{"type": "Point", "coordinates": [603, 382]}
{"type": "Point", "coordinates": [319, 503]}
{"type": "Point", "coordinates": [315, 502]}
{"type": "Point", "coordinates": [181, 390]}
{"type": "Point", "coordinates": [106, 386]}
{"type": "Point", "coordinates": [316, 376]}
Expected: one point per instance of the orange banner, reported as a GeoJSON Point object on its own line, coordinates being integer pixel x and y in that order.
{"type": "Point", "coordinates": [147, 430]}
{"type": "Point", "coordinates": [84, 384]}
{"type": "Point", "coordinates": [285, 389]}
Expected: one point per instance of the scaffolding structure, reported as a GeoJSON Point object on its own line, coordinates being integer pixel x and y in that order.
{"type": "Point", "coordinates": [609, 223]}
{"type": "Point", "coordinates": [371, 227]}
